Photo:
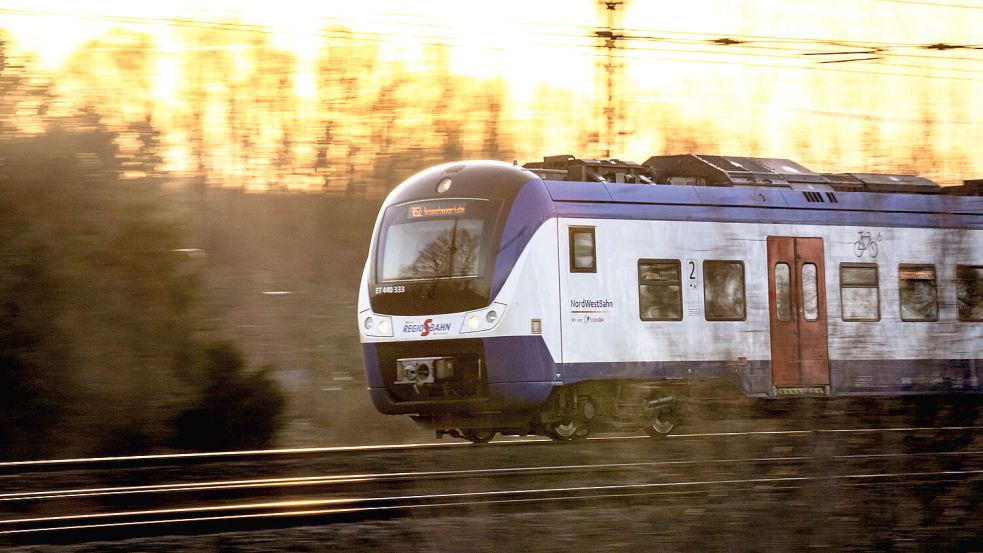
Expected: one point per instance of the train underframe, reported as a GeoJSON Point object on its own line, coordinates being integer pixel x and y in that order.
{"type": "Point", "coordinates": [574, 411]}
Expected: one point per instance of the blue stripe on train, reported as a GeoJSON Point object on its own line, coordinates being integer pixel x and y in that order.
{"type": "Point", "coordinates": [731, 214]}
{"type": "Point", "coordinates": [526, 359]}
{"type": "Point", "coordinates": [511, 359]}
{"type": "Point", "coordinates": [894, 376]}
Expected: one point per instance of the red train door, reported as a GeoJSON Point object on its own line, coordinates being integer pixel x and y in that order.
{"type": "Point", "coordinates": [797, 310]}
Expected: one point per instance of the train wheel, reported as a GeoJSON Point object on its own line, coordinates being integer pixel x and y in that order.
{"type": "Point", "coordinates": [662, 424]}
{"type": "Point", "coordinates": [478, 436]}
{"type": "Point", "coordinates": [566, 431]}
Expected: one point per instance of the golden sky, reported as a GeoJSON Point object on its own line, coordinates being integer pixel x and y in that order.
{"type": "Point", "coordinates": [784, 88]}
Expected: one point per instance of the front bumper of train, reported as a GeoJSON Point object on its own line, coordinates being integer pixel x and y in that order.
{"type": "Point", "coordinates": [500, 397]}
{"type": "Point", "coordinates": [490, 375]}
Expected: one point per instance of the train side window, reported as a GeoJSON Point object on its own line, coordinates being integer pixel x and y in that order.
{"type": "Point", "coordinates": [583, 253]}
{"type": "Point", "coordinates": [969, 292]}
{"type": "Point", "coordinates": [660, 290]}
{"type": "Point", "coordinates": [919, 297]}
{"type": "Point", "coordinates": [860, 297]}
{"type": "Point", "coordinates": [723, 291]}
{"type": "Point", "coordinates": [783, 292]}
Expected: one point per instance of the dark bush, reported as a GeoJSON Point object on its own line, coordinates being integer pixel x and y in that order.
{"type": "Point", "coordinates": [238, 409]}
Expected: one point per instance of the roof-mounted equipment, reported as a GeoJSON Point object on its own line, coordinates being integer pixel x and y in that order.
{"type": "Point", "coordinates": [569, 168]}
{"type": "Point", "coordinates": [874, 182]}
{"type": "Point", "coordinates": [713, 170]}
{"type": "Point", "coordinates": [972, 187]}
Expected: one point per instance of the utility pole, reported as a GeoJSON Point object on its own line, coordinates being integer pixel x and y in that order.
{"type": "Point", "coordinates": [610, 74]}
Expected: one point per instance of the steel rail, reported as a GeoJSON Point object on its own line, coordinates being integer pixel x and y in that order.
{"type": "Point", "coordinates": [365, 506]}
{"type": "Point", "coordinates": [61, 464]}
{"type": "Point", "coordinates": [365, 478]}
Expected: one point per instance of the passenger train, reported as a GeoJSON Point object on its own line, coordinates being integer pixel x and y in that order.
{"type": "Point", "coordinates": [575, 295]}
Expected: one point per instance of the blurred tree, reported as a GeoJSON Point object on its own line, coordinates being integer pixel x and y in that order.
{"type": "Point", "coordinates": [147, 158]}
{"type": "Point", "coordinates": [239, 107]}
{"type": "Point", "coordinates": [208, 63]}
{"type": "Point", "coordinates": [380, 123]}
{"type": "Point", "coordinates": [385, 136]}
{"type": "Point", "coordinates": [494, 101]}
{"type": "Point", "coordinates": [24, 101]}
{"type": "Point", "coordinates": [447, 120]}
{"type": "Point", "coordinates": [93, 78]}
{"type": "Point", "coordinates": [101, 323]}
{"type": "Point", "coordinates": [347, 72]}
{"type": "Point", "coordinates": [100, 68]}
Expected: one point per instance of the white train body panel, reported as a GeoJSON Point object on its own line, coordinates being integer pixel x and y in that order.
{"type": "Point", "coordinates": [618, 334]}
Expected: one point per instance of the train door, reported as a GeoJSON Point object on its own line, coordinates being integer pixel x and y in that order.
{"type": "Point", "coordinates": [797, 310]}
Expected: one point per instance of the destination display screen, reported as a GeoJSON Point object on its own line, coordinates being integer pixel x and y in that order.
{"type": "Point", "coordinates": [431, 239]}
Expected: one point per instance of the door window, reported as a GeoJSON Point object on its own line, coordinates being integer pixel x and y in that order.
{"type": "Point", "coordinates": [783, 293]}
{"type": "Point", "coordinates": [810, 292]}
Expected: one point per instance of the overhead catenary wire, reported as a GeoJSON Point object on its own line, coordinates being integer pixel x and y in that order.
{"type": "Point", "coordinates": [577, 31]}
{"type": "Point", "coordinates": [715, 45]}
{"type": "Point", "coordinates": [811, 67]}
{"type": "Point", "coordinates": [934, 4]}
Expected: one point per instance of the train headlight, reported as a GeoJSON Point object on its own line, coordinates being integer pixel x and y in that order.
{"type": "Point", "coordinates": [376, 325]}
{"type": "Point", "coordinates": [484, 319]}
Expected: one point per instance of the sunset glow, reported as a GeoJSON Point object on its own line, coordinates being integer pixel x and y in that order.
{"type": "Point", "coordinates": [843, 85]}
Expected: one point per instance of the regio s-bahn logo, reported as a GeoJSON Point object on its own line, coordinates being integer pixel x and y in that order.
{"type": "Point", "coordinates": [426, 328]}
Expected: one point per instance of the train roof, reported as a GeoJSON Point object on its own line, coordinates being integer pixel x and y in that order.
{"type": "Point", "coordinates": [716, 171]}
{"type": "Point", "coordinates": [618, 193]}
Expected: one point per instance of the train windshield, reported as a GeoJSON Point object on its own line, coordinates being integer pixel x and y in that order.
{"type": "Point", "coordinates": [431, 240]}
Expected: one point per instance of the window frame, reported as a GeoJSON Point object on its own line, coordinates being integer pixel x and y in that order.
{"type": "Point", "coordinates": [959, 316]}
{"type": "Point", "coordinates": [706, 312]}
{"type": "Point", "coordinates": [935, 287]}
{"type": "Point", "coordinates": [573, 230]}
{"type": "Point", "coordinates": [678, 283]}
{"type": "Point", "coordinates": [877, 286]}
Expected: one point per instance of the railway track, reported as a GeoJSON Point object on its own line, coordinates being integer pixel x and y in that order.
{"type": "Point", "coordinates": [152, 495]}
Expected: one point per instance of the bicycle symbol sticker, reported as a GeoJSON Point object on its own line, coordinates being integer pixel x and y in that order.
{"type": "Point", "coordinates": [866, 244]}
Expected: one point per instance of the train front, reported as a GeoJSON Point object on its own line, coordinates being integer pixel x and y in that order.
{"type": "Point", "coordinates": [451, 334]}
